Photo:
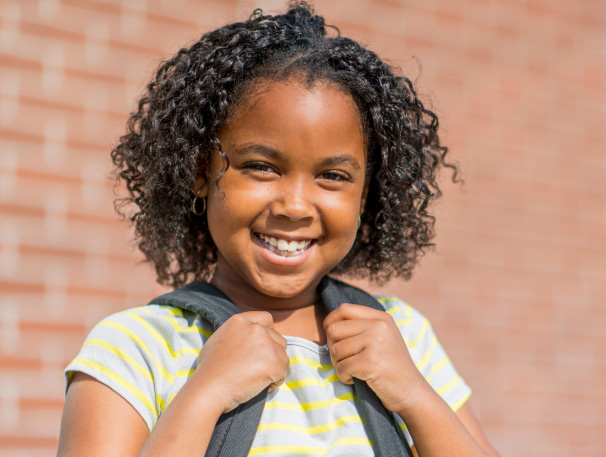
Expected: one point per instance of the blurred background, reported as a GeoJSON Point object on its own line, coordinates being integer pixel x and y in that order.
{"type": "Point", "coordinates": [516, 287]}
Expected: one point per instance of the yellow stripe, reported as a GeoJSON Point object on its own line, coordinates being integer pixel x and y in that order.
{"type": "Point", "coordinates": [403, 426]}
{"type": "Point", "coordinates": [427, 357]}
{"type": "Point", "coordinates": [178, 312]}
{"type": "Point", "coordinates": [190, 329]}
{"type": "Point", "coordinates": [424, 328]}
{"type": "Point", "coordinates": [309, 382]}
{"type": "Point", "coordinates": [457, 405]}
{"type": "Point", "coordinates": [197, 329]}
{"type": "Point", "coordinates": [162, 341]}
{"type": "Point", "coordinates": [160, 402]}
{"type": "Point", "coordinates": [319, 404]}
{"type": "Point", "coordinates": [408, 318]}
{"type": "Point", "coordinates": [120, 353]}
{"type": "Point", "coordinates": [184, 373]}
{"type": "Point", "coordinates": [120, 380]}
{"type": "Point", "coordinates": [133, 336]}
{"type": "Point", "coordinates": [437, 367]}
{"type": "Point", "coordinates": [449, 385]}
{"type": "Point", "coordinates": [310, 363]}
{"type": "Point", "coordinates": [309, 450]}
{"type": "Point", "coordinates": [312, 430]}
{"type": "Point", "coordinates": [387, 299]}
{"type": "Point", "coordinates": [154, 333]}
{"type": "Point", "coordinates": [171, 398]}
{"type": "Point", "coordinates": [441, 364]}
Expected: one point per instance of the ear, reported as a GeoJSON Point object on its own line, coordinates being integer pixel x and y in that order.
{"type": "Point", "coordinates": [364, 195]}
{"type": "Point", "coordinates": [200, 187]}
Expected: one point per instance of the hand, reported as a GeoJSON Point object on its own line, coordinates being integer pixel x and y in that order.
{"type": "Point", "coordinates": [365, 343]}
{"type": "Point", "coordinates": [243, 357]}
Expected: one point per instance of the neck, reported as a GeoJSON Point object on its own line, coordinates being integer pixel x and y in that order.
{"type": "Point", "coordinates": [300, 315]}
{"type": "Point", "coordinates": [249, 299]}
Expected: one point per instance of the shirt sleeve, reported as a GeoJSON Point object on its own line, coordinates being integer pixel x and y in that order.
{"type": "Point", "coordinates": [132, 352]}
{"type": "Point", "coordinates": [427, 353]}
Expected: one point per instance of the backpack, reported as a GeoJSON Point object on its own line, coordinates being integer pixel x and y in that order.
{"type": "Point", "coordinates": [235, 431]}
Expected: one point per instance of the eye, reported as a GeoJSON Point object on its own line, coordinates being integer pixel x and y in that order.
{"type": "Point", "coordinates": [259, 166]}
{"type": "Point", "coordinates": [335, 176]}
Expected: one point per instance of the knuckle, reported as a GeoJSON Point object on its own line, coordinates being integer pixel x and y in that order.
{"type": "Point", "coordinates": [382, 324]}
{"type": "Point", "coordinates": [238, 318]}
{"type": "Point", "coordinates": [332, 329]}
{"type": "Point", "coordinates": [283, 342]}
{"type": "Point", "coordinates": [335, 351]}
{"type": "Point", "coordinates": [345, 306]}
{"type": "Point", "coordinates": [266, 316]}
{"type": "Point", "coordinates": [257, 330]}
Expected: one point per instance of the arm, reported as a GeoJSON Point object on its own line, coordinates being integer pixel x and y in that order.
{"type": "Point", "coordinates": [471, 424]}
{"type": "Point", "coordinates": [366, 344]}
{"type": "Point", "coordinates": [469, 420]}
{"type": "Point", "coordinates": [99, 422]}
{"type": "Point", "coordinates": [458, 434]}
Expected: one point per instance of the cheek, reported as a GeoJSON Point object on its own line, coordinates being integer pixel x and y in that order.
{"type": "Point", "coordinates": [232, 207]}
{"type": "Point", "coordinates": [341, 218]}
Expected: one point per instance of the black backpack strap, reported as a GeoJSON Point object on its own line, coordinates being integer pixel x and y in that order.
{"type": "Point", "coordinates": [235, 431]}
{"type": "Point", "coordinates": [385, 434]}
{"type": "Point", "coordinates": [201, 298]}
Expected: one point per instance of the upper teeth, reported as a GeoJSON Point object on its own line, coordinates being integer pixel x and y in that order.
{"type": "Point", "coordinates": [285, 245]}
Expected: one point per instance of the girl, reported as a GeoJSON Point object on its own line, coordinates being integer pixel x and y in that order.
{"type": "Point", "coordinates": [262, 158]}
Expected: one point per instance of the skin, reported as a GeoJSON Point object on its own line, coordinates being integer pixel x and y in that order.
{"type": "Point", "coordinates": [269, 189]}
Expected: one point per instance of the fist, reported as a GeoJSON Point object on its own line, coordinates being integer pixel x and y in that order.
{"type": "Point", "coordinates": [365, 343]}
{"type": "Point", "coordinates": [243, 357]}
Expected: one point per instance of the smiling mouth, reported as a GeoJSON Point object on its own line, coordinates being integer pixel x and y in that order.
{"type": "Point", "coordinates": [282, 247]}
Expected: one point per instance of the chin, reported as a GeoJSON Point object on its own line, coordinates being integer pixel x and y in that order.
{"type": "Point", "coordinates": [284, 286]}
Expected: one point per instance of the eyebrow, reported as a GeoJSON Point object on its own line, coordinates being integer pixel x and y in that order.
{"type": "Point", "coordinates": [271, 153]}
{"type": "Point", "coordinates": [255, 148]}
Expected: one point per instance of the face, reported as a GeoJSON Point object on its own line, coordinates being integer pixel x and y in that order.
{"type": "Point", "coordinates": [287, 208]}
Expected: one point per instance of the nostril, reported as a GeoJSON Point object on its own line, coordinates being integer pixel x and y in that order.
{"type": "Point", "coordinates": [292, 209]}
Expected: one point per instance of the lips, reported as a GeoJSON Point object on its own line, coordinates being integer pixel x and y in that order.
{"type": "Point", "coordinates": [284, 247]}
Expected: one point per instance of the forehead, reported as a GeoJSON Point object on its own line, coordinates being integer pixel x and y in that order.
{"type": "Point", "coordinates": [264, 88]}
{"type": "Point", "coordinates": [293, 111]}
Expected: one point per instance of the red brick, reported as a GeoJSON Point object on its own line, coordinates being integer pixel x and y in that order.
{"type": "Point", "coordinates": [516, 286]}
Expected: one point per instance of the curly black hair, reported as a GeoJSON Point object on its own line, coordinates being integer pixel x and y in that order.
{"type": "Point", "coordinates": [170, 138]}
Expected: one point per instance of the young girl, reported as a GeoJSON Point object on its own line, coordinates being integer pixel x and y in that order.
{"type": "Point", "coordinates": [262, 158]}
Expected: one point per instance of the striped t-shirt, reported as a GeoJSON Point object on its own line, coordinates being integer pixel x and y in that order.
{"type": "Point", "coordinates": [146, 354]}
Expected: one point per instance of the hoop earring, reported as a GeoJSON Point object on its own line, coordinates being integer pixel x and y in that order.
{"type": "Point", "coordinates": [193, 206]}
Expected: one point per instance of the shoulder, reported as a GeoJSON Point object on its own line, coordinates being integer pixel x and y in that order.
{"type": "Point", "coordinates": [157, 334]}
{"type": "Point", "coordinates": [411, 322]}
{"type": "Point", "coordinates": [142, 353]}
{"type": "Point", "coordinates": [415, 328]}
{"type": "Point", "coordinates": [151, 321]}
{"type": "Point", "coordinates": [426, 351]}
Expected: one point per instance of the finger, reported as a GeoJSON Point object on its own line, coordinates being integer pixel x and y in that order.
{"type": "Point", "coordinates": [358, 365]}
{"type": "Point", "coordinates": [279, 339]}
{"type": "Point", "coordinates": [349, 347]}
{"type": "Point", "coordinates": [284, 373]}
{"type": "Point", "coordinates": [340, 330]}
{"type": "Point", "coordinates": [258, 317]}
{"type": "Point", "coordinates": [276, 384]}
{"type": "Point", "coordinates": [344, 371]}
{"type": "Point", "coordinates": [351, 311]}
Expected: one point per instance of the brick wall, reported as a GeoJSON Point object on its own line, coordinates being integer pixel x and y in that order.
{"type": "Point", "coordinates": [515, 288]}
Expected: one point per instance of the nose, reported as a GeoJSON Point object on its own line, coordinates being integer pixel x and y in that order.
{"type": "Point", "coordinates": [293, 201]}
